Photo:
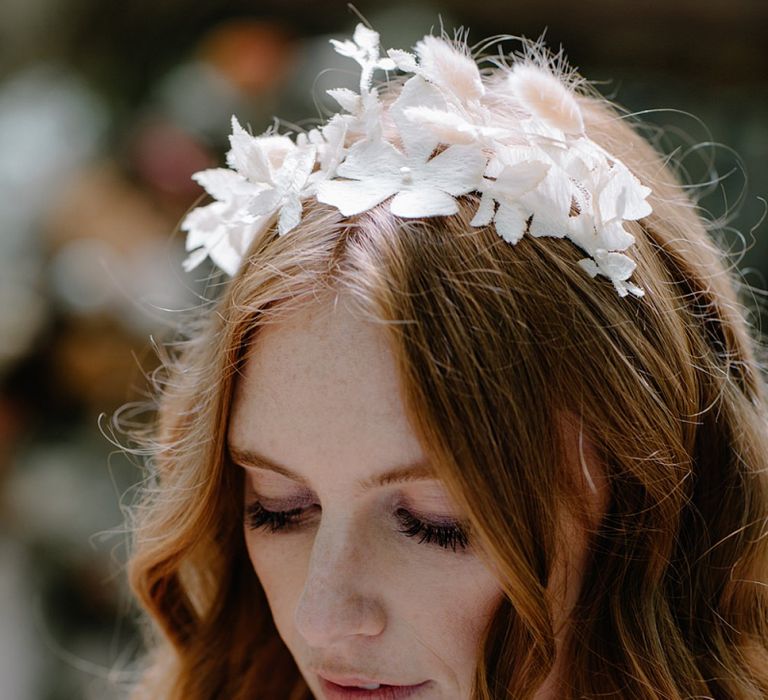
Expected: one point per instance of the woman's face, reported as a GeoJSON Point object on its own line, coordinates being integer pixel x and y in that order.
{"type": "Point", "coordinates": [367, 575]}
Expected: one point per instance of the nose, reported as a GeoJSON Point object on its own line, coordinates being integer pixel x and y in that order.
{"type": "Point", "coordinates": [339, 598]}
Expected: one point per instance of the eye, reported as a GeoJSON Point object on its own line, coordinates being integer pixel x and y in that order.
{"type": "Point", "coordinates": [451, 536]}
{"type": "Point", "coordinates": [257, 516]}
{"type": "Point", "coordinates": [447, 536]}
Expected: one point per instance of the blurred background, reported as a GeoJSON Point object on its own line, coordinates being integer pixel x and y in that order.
{"type": "Point", "coordinates": [107, 108]}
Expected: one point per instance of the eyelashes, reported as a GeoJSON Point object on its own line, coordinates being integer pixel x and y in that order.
{"type": "Point", "coordinates": [446, 536]}
{"type": "Point", "coordinates": [452, 536]}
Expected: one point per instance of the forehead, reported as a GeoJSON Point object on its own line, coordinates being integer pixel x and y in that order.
{"type": "Point", "coordinates": [320, 387]}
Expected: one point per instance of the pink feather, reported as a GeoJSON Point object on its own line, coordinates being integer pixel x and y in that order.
{"type": "Point", "coordinates": [542, 94]}
{"type": "Point", "coordinates": [447, 67]}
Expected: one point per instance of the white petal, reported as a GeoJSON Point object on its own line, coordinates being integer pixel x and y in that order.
{"type": "Point", "coordinates": [194, 259]}
{"type": "Point", "coordinates": [458, 169]}
{"type": "Point", "coordinates": [615, 237]}
{"type": "Point", "coordinates": [485, 211]}
{"type": "Point", "coordinates": [290, 215]}
{"type": "Point", "coordinates": [624, 196]}
{"type": "Point", "coordinates": [275, 149]}
{"type": "Point", "coordinates": [548, 223]}
{"type": "Point", "coordinates": [223, 254]}
{"type": "Point", "coordinates": [558, 189]}
{"type": "Point", "coordinates": [366, 38]}
{"type": "Point", "coordinates": [589, 266]}
{"type": "Point", "coordinates": [245, 156]}
{"type": "Point", "coordinates": [545, 96]}
{"type": "Point", "coordinates": [347, 99]}
{"type": "Point", "coordinates": [417, 92]}
{"type": "Point", "coordinates": [510, 221]}
{"type": "Point", "coordinates": [226, 258]}
{"type": "Point", "coordinates": [297, 167]}
{"type": "Point", "coordinates": [446, 126]}
{"type": "Point", "coordinates": [265, 202]}
{"type": "Point", "coordinates": [403, 60]}
{"type": "Point", "coordinates": [423, 201]}
{"type": "Point", "coordinates": [386, 64]}
{"type": "Point", "coordinates": [615, 265]}
{"type": "Point", "coordinates": [418, 142]}
{"type": "Point", "coordinates": [352, 196]}
{"type": "Point", "coordinates": [515, 180]}
{"type": "Point", "coordinates": [379, 159]}
{"type": "Point", "coordinates": [201, 223]}
{"type": "Point", "coordinates": [345, 48]}
{"type": "Point", "coordinates": [222, 183]}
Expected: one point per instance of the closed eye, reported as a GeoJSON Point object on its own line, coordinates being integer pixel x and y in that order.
{"type": "Point", "coordinates": [451, 536]}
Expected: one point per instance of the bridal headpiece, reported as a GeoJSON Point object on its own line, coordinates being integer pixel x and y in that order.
{"type": "Point", "coordinates": [537, 173]}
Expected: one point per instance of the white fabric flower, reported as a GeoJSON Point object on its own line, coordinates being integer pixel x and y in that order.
{"type": "Point", "coordinates": [285, 189]}
{"type": "Point", "coordinates": [222, 231]}
{"type": "Point", "coordinates": [269, 173]}
{"type": "Point", "coordinates": [422, 185]}
{"type": "Point", "coordinates": [364, 48]}
{"type": "Point", "coordinates": [615, 266]}
{"type": "Point", "coordinates": [330, 142]}
{"type": "Point", "coordinates": [511, 218]}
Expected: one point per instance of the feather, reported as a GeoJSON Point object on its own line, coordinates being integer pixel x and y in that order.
{"type": "Point", "coordinates": [542, 94]}
{"type": "Point", "coordinates": [449, 68]}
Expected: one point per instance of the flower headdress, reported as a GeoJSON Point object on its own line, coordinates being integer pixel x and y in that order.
{"type": "Point", "coordinates": [539, 175]}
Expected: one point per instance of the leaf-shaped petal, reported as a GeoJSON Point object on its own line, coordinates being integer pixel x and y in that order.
{"type": "Point", "coordinates": [200, 223]}
{"type": "Point", "coordinates": [290, 215]}
{"type": "Point", "coordinates": [296, 168]}
{"type": "Point", "coordinates": [510, 221]}
{"type": "Point", "coordinates": [458, 169]}
{"type": "Point", "coordinates": [351, 197]}
{"type": "Point", "coordinates": [403, 60]}
{"type": "Point", "coordinates": [347, 99]}
{"type": "Point", "coordinates": [614, 236]}
{"type": "Point", "coordinates": [366, 38]}
{"type": "Point", "coordinates": [558, 189]}
{"type": "Point", "coordinates": [416, 92]}
{"type": "Point", "coordinates": [245, 156]}
{"type": "Point", "coordinates": [220, 183]}
{"type": "Point", "coordinates": [194, 259]}
{"type": "Point", "coordinates": [224, 255]}
{"type": "Point", "coordinates": [615, 265]}
{"type": "Point", "coordinates": [589, 266]}
{"type": "Point", "coordinates": [265, 202]}
{"type": "Point", "coordinates": [365, 159]}
{"type": "Point", "coordinates": [547, 222]}
{"type": "Point", "coordinates": [423, 201]}
{"type": "Point", "coordinates": [275, 148]}
{"type": "Point", "coordinates": [485, 211]}
{"type": "Point", "coordinates": [623, 196]}
{"type": "Point", "coordinates": [345, 48]}
{"type": "Point", "coordinates": [515, 180]}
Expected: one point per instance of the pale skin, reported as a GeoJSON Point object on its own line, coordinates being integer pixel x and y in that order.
{"type": "Point", "coordinates": [351, 595]}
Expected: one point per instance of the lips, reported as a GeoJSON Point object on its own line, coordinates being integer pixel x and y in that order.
{"type": "Point", "coordinates": [349, 688]}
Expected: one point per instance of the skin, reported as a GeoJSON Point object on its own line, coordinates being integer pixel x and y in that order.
{"type": "Point", "coordinates": [351, 595]}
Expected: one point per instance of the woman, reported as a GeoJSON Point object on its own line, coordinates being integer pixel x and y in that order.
{"type": "Point", "coordinates": [421, 447]}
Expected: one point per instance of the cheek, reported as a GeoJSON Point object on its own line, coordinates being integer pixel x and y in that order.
{"type": "Point", "coordinates": [280, 566]}
{"type": "Point", "coordinates": [451, 608]}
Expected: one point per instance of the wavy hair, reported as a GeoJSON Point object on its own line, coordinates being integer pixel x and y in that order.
{"type": "Point", "coordinates": [492, 341]}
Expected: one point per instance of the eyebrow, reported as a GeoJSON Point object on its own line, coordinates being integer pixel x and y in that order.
{"type": "Point", "coordinates": [414, 471]}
